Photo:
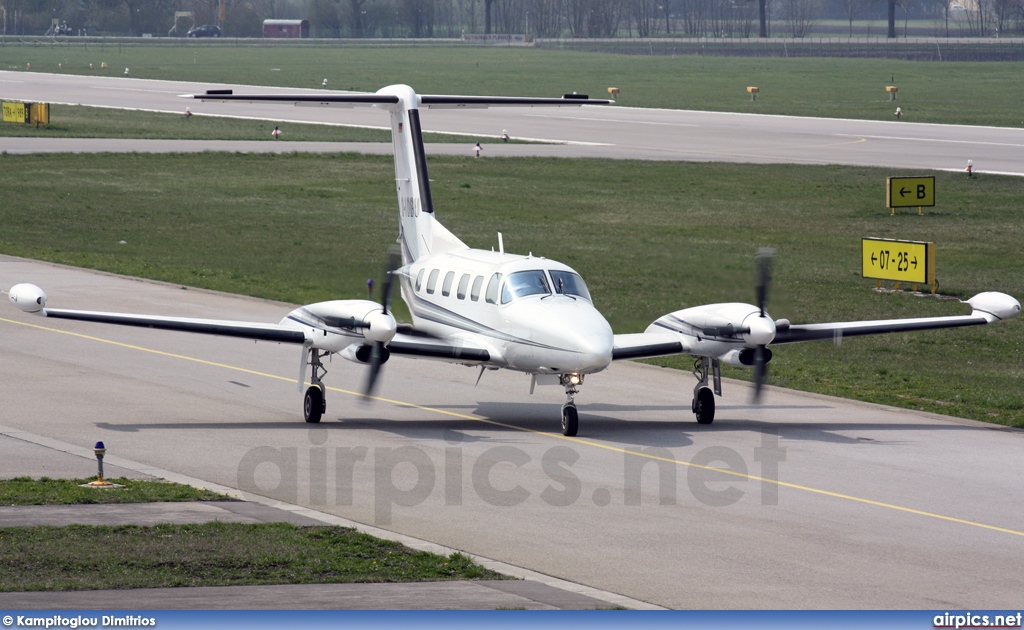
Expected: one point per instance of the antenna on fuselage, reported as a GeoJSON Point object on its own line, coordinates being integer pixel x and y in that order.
{"type": "Point", "coordinates": [501, 245]}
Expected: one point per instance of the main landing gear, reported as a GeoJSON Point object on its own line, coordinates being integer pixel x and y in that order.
{"type": "Point", "coordinates": [315, 403]}
{"type": "Point", "coordinates": [570, 417]}
{"type": "Point", "coordinates": [703, 397]}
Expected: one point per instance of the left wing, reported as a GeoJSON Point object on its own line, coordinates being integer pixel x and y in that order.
{"type": "Point", "coordinates": [225, 328]}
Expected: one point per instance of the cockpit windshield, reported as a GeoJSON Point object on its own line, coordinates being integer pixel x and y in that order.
{"type": "Point", "coordinates": [523, 283]}
{"type": "Point", "coordinates": [570, 283]}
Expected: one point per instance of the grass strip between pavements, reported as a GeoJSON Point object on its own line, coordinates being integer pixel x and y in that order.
{"type": "Point", "coordinates": [84, 557]}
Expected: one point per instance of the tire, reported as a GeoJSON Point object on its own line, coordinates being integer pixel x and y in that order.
{"type": "Point", "coordinates": [313, 405]}
{"type": "Point", "coordinates": [570, 420]}
{"type": "Point", "coordinates": [704, 406]}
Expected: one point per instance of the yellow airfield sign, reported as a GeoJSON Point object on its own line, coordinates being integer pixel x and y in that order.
{"type": "Point", "coordinates": [14, 112]}
{"type": "Point", "coordinates": [909, 192]}
{"type": "Point", "coordinates": [901, 261]}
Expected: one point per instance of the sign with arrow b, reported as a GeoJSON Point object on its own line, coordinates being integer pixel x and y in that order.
{"type": "Point", "coordinates": [909, 192]}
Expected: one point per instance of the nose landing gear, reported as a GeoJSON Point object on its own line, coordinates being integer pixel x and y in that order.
{"type": "Point", "coordinates": [570, 417]}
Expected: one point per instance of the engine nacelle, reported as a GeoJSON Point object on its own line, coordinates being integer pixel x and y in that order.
{"type": "Point", "coordinates": [744, 357]}
{"type": "Point", "coordinates": [27, 297]}
{"type": "Point", "coordinates": [362, 353]}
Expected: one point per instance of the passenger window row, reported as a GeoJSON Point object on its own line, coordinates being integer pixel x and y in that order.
{"type": "Point", "coordinates": [491, 296]}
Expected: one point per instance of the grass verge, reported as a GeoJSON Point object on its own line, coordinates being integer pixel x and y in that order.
{"type": "Point", "coordinates": [81, 557]}
{"type": "Point", "coordinates": [46, 491]}
{"type": "Point", "coordinates": [649, 237]}
{"type": "Point", "coordinates": [75, 121]}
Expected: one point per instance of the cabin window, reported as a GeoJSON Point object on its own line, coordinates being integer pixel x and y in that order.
{"type": "Point", "coordinates": [432, 280]}
{"type": "Point", "coordinates": [463, 285]}
{"type": "Point", "coordinates": [474, 294]}
{"type": "Point", "coordinates": [524, 283]}
{"type": "Point", "coordinates": [446, 288]}
{"type": "Point", "coordinates": [419, 279]}
{"type": "Point", "coordinates": [569, 283]}
{"type": "Point", "coordinates": [492, 288]}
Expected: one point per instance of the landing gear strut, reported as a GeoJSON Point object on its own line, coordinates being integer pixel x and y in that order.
{"type": "Point", "coordinates": [703, 397]}
{"type": "Point", "coordinates": [315, 403]}
{"type": "Point", "coordinates": [570, 417]}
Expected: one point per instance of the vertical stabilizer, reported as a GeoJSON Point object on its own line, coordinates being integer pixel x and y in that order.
{"type": "Point", "coordinates": [421, 234]}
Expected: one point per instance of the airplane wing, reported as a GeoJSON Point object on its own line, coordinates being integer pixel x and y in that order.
{"type": "Point", "coordinates": [224, 328]}
{"type": "Point", "coordinates": [647, 345]}
{"type": "Point", "coordinates": [838, 330]}
{"type": "Point", "coordinates": [418, 347]}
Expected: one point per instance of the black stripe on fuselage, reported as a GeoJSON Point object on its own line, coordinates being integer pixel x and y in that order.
{"type": "Point", "coordinates": [416, 135]}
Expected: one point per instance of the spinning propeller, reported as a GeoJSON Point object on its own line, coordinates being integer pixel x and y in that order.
{"type": "Point", "coordinates": [379, 352]}
{"type": "Point", "coordinates": [763, 327]}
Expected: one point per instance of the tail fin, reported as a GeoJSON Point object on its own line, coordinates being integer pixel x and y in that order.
{"type": "Point", "coordinates": [421, 234]}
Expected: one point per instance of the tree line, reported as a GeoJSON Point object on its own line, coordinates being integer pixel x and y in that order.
{"type": "Point", "coordinates": [534, 18]}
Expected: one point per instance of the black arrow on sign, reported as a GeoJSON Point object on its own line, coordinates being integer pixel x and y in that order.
{"type": "Point", "coordinates": [903, 192]}
{"type": "Point", "coordinates": [914, 262]}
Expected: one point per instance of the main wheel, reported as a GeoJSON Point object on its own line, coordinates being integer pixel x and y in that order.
{"type": "Point", "coordinates": [570, 420]}
{"type": "Point", "coordinates": [313, 405]}
{"type": "Point", "coordinates": [704, 406]}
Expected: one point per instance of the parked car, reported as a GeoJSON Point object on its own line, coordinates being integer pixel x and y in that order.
{"type": "Point", "coordinates": [206, 30]}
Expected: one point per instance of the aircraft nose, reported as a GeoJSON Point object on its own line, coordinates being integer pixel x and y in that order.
{"type": "Point", "coordinates": [594, 351]}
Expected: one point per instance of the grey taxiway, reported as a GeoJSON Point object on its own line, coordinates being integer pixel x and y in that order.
{"type": "Point", "coordinates": [802, 502]}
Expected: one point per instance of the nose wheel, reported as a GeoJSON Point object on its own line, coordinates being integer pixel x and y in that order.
{"type": "Point", "coordinates": [570, 420]}
{"type": "Point", "coordinates": [570, 417]}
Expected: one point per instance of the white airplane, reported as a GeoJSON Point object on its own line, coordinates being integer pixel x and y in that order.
{"type": "Point", "coordinates": [496, 310]}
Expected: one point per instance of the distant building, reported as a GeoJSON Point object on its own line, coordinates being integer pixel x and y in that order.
{"type": "Point", "coordinates": [286, 29]}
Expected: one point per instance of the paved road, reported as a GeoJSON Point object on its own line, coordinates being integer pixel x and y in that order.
{"type": "Point", "coordinates": [828, 503]}
{"type": "Point", "coordinates": [616, 132]}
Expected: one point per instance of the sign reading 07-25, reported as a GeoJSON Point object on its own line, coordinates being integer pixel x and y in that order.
{"type": "Point", "coordinates": [909, 192]}
{"type": "Point", "coordinates": [902, 261]}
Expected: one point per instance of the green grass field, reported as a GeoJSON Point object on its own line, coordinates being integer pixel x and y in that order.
{"type": "Point", "coordinates": [304, 228]}
{"type": "Point", "coordinates": [46, 491]}
{"type": "Point", "coordinates": [72, 121]}
{"type": "Point", "coordinates": [85, 557]}
{"type": "Point", "coordinates": [983, 93]}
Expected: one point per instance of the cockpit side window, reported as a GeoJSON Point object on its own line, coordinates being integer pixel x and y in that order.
{"type": "Point", "coordinates": [492, 288]}
{"type": "Point", "coordinates": [569, 283]}
{"type": "Point", "coordinates": [523, 283]}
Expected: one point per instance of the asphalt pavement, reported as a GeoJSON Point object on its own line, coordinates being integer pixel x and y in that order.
{"type": "Point", "coordinates": [24, 455]}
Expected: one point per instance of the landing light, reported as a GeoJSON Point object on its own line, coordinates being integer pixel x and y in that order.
{"type": "Point", "coordinates": [575, 379]}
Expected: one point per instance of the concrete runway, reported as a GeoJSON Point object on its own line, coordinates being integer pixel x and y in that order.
{"type": "Point", "coordinates": [826, 503]}
{"type": "Point", "coordinates": [803, 502]}
{"type": "Point", "coordinates": [613, 132]}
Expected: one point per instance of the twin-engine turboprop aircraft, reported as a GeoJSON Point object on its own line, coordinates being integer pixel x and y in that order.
{"type": "Point", "coordinates": [496, 310]}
